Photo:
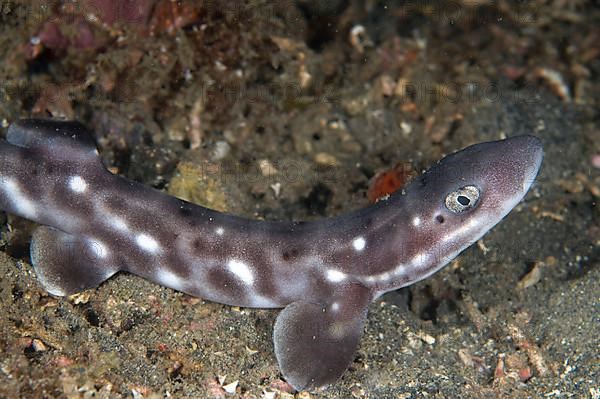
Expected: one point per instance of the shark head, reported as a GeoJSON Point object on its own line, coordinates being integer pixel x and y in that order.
{"type": "Point", "coordinates": [466, 194]}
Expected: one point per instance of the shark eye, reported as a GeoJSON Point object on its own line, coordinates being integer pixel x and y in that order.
{"type": "Point", "coordinates": [462, 199]}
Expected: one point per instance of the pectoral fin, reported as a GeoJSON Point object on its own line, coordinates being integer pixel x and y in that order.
{"type": "Point", "coordinates": [66, 264]}
{"type": "Point", "coordinates": [315, 342]}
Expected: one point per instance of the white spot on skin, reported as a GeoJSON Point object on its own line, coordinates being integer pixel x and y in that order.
{"type": "Point", "coordinates": [23, 205]}
{"type": "Point", "coordinates": [466, 230]}
{"type": "Point", "coordinates": [118, 223]}
{"type": "Point", "coordinates": [335, 307]}
{"type": "Point", "coordinates": [419, 260]}
{"type": "Point", "coordinates": [111, 218]}
{"type": "Point", "coordinates": [399, 269]}
{"type": "Point", "coordinates": [416, 221]}
{"type": "Point", "coordinates": [77, 184]}
{"type": "Point", "coordinates": [169, 279]}
{"type": "Point", "coordinates": [335, 276]}
{"type": "Point", "coordinates": [359, 243]}
{"type": "Point", "coordinates": [241, 270]}
{"type": "Point", "coordinates": [220, 231]}
{"type": "Point", "coordinates": [147, 243]}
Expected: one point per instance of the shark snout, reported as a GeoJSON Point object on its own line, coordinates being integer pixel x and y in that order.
{"type": "Point", "coordinates": [527, 153]}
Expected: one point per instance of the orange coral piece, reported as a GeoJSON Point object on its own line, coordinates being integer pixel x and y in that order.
{"type": "Point", "coordinates": [386, 182]}
{"type": "Point", "coordinates": [169, 16]}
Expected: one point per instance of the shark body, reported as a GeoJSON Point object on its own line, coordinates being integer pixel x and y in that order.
{"type": "Point", "coordinates": [324, 273]}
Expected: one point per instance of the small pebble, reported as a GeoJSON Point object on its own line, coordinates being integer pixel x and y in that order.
{"type": "Point", "coordinates": [267, 168]}
{"type": "Point", "coordinates": [326, 159]}
{"type": "Point", "coordinates": [269, 395]}
{"type": "Point", "coordinates": [276, 187]}
{"type": "Point", "coordinates": [359, 38]}
{"type": "Point", "coordinates": [531, 278]}
{"type": "Point", "coordinates": [230, 388]}
{"type": "Point", "coordinates": [556, 82]}
{"type": "Point", "coordinates": [465, 357]}
{"type": "Point", "coordinates": [220, 151]}
{"type": "Point", "coordinates": [406, 128]}
{"type": "Point", "coordinates": [250, 351]}
{"type": "Point", "coordinates": [428, 339]}
{"type": "Point", "coordinates": [80, 297]}
{"type": "Point", "coordinates": [525, 374]}
{"type": "Point", "coordinates": [38, 345]}
{"type": "Point", "coordinates": [385, 86]}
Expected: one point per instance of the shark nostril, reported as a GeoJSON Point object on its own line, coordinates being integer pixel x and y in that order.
{"type": "Point", "coordinates": [440, 219]}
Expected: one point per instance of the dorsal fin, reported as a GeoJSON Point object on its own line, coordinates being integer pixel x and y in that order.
{"type": "Point", "coordinates": [316, 341]}
{"type": "Point", "coordinates": [60, 139]}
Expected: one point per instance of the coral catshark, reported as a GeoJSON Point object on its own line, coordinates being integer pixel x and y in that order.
{"type": "Point", "coordinates": [324, 273]}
